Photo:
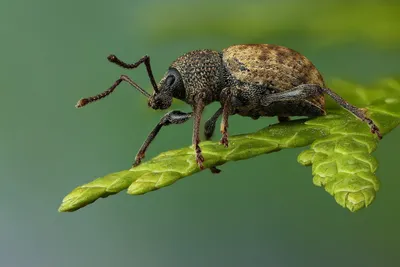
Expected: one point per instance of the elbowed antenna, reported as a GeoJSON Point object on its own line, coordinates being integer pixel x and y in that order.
{"type": "Point", "coordinates": [114, 59]}
{"type": "Point", "coordinates": [144, 59]}
{"type": "Point", "coordinates": [84, 101]}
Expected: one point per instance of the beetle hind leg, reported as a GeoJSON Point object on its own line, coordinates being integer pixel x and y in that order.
{"type": "Point", "coordinates": [358, 112]}
{"type": "Point", "coordinates": [309, 91]}
{"type": "Point", "coordinates": [283, 118]}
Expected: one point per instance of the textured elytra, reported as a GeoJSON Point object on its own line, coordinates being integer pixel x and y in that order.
{"type": "Point", "coordinates": [272, 66]}
{"type": "Point", "coordinates": [278, 66]}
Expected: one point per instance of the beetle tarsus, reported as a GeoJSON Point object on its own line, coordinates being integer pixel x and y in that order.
{"type": "Point", "coordinates": [112, 58]}
{"type": "Point", "coordinates": [225, 115]}
{"type": "Point", "coordinates": [224, 139]}
{"type": "Point", "coordinates": [215, 170]}
{"type": "Point", "coordinates": [138, 159]}
{"type": "Point", "coordinates": [136, 163]}
{"type": "Point", "coordinates": [82, 102]}
{"type": "Point", "coordinates": [283, 119]}
{"type": "Point", "coordinates": [376, 131]}
{"type": "Point", "coordinates": [199, 158]}
{"type": "Point", "coordinates": [374, 128]}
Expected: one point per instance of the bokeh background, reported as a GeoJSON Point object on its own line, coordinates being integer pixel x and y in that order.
{"type": "Point", "coordinates": [259, 212]}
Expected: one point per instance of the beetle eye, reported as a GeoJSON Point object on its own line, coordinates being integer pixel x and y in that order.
{"type": "Point", "coordinates": [170, 80]}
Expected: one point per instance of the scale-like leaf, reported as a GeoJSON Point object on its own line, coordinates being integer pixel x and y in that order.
{"type": "Point", "coordinates": [340, 153]}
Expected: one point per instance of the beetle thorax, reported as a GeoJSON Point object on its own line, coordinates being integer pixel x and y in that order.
{"type": "Point", "coordinates": [201, 71]}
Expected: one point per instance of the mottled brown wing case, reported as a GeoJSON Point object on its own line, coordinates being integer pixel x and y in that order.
{"type": "Point", "coordinates": [272, 65]}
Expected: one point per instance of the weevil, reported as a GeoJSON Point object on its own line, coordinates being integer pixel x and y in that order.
{"type": "Point", "coordinates": [253, 80]}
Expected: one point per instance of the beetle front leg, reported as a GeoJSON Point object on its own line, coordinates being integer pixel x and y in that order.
{"type": "Point", "coordinates": [198, 110]}
{"type": "Point", "coordinates": [172, 117]}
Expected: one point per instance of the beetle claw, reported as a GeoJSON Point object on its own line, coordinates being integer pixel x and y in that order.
{"type": "Point", "coordinates": [199, 157]}
{"type": "Point", "coordinates": [375, 130]}
{"type": "Point", "coordinates": [200, 160]}
{"type": "Point", "coordinates": [138, 160]}
{"type": "Point", "coordinates": [112, 58]}
{"type": "Point", "coordinates": [224, 139]}
{"type": "Point", "coordinates": [215, 170]}
{"type": "Point", "coordinates": [136, 163]}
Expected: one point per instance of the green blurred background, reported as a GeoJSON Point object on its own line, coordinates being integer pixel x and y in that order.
{"type": "Point", "coordinates": [259, 212]}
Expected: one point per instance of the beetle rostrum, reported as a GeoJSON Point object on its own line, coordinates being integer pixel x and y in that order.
{"type": "Point", "coordinates": [253, 80]}
{"type": "Point", "coordinates": [170, 86]}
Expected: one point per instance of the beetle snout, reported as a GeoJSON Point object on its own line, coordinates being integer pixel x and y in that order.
{"type": "Point", "coordinates": [159, 102]}
{"type": "Point", "coordinates": [153, 102]}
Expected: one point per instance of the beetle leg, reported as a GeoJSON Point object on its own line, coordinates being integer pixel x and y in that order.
{"type": "Point", "coordinates": [224, 123]}
{"type": "Point", "coordinates": [297, 93]}
{"type": "Point", "coordinates": [230, 102]}
{"type": "Point", "coordinates": [283, 119]}
{"type": "Point", "coordinates": [209, 127]}
{"type": "Point", "coordinates": [359, 113]}
{"type": "Point", "coordinates": [172, 117]}
{"type": "Point", "coordinates": [305, 91]}
{"type": "Point", "coordinates": [215, 170]}
{"type": "Point", "coordinates": [226, 103]}
{"type": "Point", "coordinates": [198, 110]}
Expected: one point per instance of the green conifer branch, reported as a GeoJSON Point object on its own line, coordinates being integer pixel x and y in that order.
{"type": "Point", "coordinates": [340, 153]}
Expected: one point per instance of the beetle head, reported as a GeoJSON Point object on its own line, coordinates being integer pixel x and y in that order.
{"type": "Point", "coordinates": [171, 85]}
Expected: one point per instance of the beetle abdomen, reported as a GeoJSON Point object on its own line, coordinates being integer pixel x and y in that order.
{"type": "Point", "coordinates": [270, 65]}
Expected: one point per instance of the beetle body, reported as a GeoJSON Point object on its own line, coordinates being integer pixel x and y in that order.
{"type": "Point", "coordinates": [259, 70]}
{"type": "Point", "coordinates": [252, 72]}
{"type": "Point", "coordinates": [249, 80]}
